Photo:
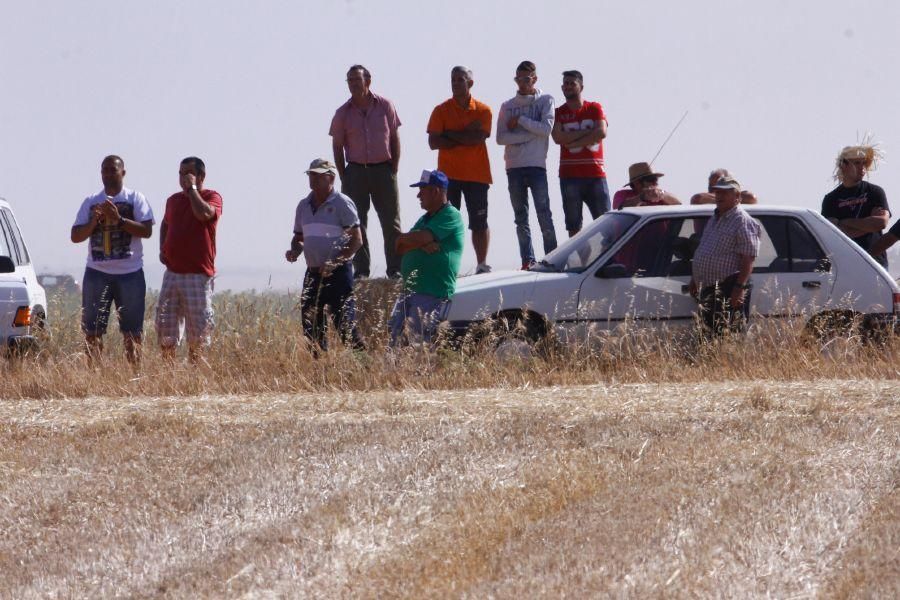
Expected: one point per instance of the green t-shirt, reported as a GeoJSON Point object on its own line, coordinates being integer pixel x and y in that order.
{"type": "Point", "coordinates": [435, 274]}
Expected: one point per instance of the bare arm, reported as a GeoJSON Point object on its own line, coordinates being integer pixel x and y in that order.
{"type": "Point", "coordinates": [83, 232]}
{"type": "Point", "coordinates": [743, 276]}
{"type": "Point", "coordinates": [590, 136]}
{"type": "Point", "coordinates": [412, 240]}
{"type": "Point", "coordinates": [395, 151]}
{"type": "Point", "coordinates": [883, 243]}
{"type": "Point", "coordinates": [748, 198]}
{"type": "Point", "coordinates": [338, 150]}
{"type": "Point", "coordinates": [703, 198]}
{"type": "Point", "coordinates": [296, 249]}
{"type": "Point", "coordinates": [871, 224]}
{"type": "Point", "coordinates": [439, 141]}
{"type": "Point", "coordinates": [163, 231]}
{"type": "Point", "coordinates": [467, 137]}
{"type": "Point", "coordinates": [203, 210]}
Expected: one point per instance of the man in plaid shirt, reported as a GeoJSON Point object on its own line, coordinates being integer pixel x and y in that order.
{"type": "Point", "coordinates": [724, 261]}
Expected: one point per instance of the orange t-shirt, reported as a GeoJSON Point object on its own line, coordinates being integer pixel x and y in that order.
{"type": "Point", "coordinates": [463, 163]}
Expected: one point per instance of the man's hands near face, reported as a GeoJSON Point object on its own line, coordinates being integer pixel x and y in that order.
{"type": "Point", "coordinates": [188, 180]}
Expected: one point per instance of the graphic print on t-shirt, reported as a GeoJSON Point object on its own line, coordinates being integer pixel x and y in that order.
{"type": "Point", "coordinates": [111, 242]}
{"type": "Point", "coordinates": [583, 125]}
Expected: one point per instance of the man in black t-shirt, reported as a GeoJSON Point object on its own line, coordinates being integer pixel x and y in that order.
{"type": "Point", "coordinates": [859, 208]}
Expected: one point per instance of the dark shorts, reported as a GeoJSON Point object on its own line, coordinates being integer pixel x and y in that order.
{"type": "Point", "coordinates": [100, 290]}
{"type": "Point", "coordinates": [476, 201]}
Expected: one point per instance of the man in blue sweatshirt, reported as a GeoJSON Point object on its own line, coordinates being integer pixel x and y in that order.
{"type": "Point", "coordinates": [523, 126]}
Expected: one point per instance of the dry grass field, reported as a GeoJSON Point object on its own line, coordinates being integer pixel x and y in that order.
{"type": "Point", "coordinates": [745, 489]}
{"type": "Point", "coordinates": [643, 467]}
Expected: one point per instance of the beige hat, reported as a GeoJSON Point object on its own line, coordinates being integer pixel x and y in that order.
{"type": "Point", "coordinates": [321, 165]}
{"type": "Point", "coordinates": [726, 183]}
{"type": "Point", "coordinates": [639, 170]}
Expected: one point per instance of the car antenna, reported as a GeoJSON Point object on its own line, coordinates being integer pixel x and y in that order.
{"type": "Point", "coordinates": [674, 129]}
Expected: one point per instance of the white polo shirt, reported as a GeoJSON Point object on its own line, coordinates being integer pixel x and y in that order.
{"type": "Point", "coordinates": [325, 228]}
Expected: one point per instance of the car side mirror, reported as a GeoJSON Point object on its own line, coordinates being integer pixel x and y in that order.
{"type": "Point", "coordinates": [7, 265]}
{"type": "Point", "coordinates": [612, 271]}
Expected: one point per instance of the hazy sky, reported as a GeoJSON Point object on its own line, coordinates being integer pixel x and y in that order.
{"type": "Point", "coordinates": [773, 90]}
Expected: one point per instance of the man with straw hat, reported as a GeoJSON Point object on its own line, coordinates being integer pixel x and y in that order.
{"type": "Point", "coordinates": [857, 207]}
{"type": "Point", "coordinates": [645, 190]}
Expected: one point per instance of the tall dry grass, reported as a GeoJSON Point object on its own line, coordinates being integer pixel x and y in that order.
{"type": "Point", "coordinates": [258, 347]}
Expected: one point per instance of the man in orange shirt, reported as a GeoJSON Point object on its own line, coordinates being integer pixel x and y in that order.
{"type": "Point", "coordinates": [457, 130]}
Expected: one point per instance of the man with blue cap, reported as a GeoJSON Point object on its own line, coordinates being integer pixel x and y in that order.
{"type": "Point", "coordinates": [431, 252]}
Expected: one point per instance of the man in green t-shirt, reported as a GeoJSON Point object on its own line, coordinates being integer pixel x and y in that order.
{"type": "Point", "coordinates": [431, 252]}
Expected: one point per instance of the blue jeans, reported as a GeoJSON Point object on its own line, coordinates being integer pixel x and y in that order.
{"type": "Point", "coordinates": [98, 292]}
{"type": "Point", "coordinates": [592, 191]}
{"type": "Point", "coordinates": [520, 179]}
{"type": "Point", "coordinates": [419, 315]}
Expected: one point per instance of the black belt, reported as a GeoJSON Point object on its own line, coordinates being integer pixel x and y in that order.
{"type": "Point", "coordinates": [370, 165]}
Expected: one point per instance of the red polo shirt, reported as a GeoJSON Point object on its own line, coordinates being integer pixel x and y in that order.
{"type": "Point", "coordinates": [190, 244]}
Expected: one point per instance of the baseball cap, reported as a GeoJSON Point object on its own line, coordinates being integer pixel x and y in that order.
{"type": "Point", "coordinates": [727, 183]}
{"type": "Point", "coordinates": [321, 165]}
{"type": "Point", "coordinates": [435, 178]}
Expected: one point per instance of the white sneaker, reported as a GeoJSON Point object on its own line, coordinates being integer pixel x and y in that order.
{"type": "Point", "coordinates": [482, 268]}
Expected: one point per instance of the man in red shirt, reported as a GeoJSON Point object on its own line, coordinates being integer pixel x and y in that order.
{"type": "Point", "coordinates": [579, 129]}
{"type": "Point", "coordinates": [187, 244]}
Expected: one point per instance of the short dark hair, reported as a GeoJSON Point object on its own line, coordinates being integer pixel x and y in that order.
{"type": "Point", "coordinates": [366, 75]}
{"type": "Point", "coordinates": [114, 158]}
{"type": "Point", "coordinates": [198, 163]}
{"type": "Point", "coordinates": [527, 65]}
{"type": "Point", "coordinates": [576, 74]}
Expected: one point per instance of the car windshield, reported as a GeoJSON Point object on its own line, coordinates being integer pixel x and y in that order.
{"type": "Point", "coordinates": [577, 253]}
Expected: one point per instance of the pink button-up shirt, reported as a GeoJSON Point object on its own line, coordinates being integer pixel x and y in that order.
{"type": "Point", "coordinates": [366, 136]}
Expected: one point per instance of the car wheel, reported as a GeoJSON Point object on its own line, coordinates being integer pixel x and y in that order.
{"type": "Point", "coordinates": [518, 334]}
{"type": "Point", "coordinates": [826, 326]}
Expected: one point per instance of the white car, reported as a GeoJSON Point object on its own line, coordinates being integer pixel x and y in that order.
{"type": "Point", "coordinates": [23, 303]}
{"type": "Point", "coordinates": [634, 265]}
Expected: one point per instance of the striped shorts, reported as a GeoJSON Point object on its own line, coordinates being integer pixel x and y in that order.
{"type": "Point", "coordinates": [185, 303]}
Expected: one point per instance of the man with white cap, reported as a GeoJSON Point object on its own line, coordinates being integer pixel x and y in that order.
{"type": "Point", "coordinates": [327, 232]}
{"type": "Point", "coordinates": [857, 207]}
{"type": "Point", "coordinates": [431, 253]}
{"type": "Point", "coordinates": [723, 262]}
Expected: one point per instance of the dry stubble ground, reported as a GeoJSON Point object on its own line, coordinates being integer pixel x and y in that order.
{"type": "Point", "coordinates": [782, 489]}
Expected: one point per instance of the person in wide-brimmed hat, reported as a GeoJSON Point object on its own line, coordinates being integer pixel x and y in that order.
{"type": "Point", "coordinates": [644, 190]}
{"type": "Point", "coordinates": [858, 208]}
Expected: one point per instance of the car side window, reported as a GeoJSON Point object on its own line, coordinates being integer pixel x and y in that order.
{"type": "Point", "coordinates": [787, 246]}
{"type": "Point", "coordinates": [16, 240]}
{"type": "Point", "coordinates": [5, 244]}
{"type": "Point", "coordinates": [661, 248]}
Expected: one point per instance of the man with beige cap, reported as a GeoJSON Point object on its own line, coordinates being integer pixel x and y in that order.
{"type": "Point", "coordinates": [723, 262]}
{"type": "Point", "coordinates": [645, 190]}
{"type": "Point", "coordinates": [709, 196]}
{"type": "Point", "coordinates": [327, 232]}
{"type": "Point", "coordinates": [857, 207]}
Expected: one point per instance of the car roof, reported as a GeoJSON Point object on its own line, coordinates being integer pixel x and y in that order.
{"type": "Point", "coordinates": [708, 208]}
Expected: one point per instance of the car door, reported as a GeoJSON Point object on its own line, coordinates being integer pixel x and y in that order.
{"type": "Point", "coordinates": [792, 274]}
{"type": "Point", "coordinates": [646, 279]}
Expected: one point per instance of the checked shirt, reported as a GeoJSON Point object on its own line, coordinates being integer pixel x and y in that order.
{"type": "Point", "coordinates": [725, 239]}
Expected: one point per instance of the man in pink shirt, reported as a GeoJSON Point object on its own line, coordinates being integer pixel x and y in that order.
{"type": "Point", "coordinates": [367, 153]}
